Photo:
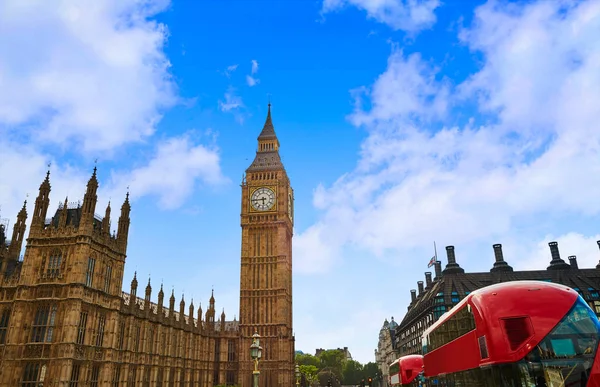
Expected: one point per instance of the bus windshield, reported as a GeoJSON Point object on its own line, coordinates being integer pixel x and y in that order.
{"type": "Point", "coordinates": [563, 358]}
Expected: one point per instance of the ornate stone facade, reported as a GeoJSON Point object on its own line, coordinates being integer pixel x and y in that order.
{"type": "Point", "coordinates": [64, 320]}
{"type": "Point", "coordinates": [386, 353]}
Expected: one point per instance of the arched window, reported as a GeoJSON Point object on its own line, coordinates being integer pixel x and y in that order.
{"type": "Point", "coordinates": [54, 263]}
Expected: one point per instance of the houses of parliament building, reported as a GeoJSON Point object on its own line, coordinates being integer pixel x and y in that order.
{"type": "Point", "coordinates": [65, 321]}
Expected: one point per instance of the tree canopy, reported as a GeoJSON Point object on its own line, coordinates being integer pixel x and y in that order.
{"type": "Point", "coordinates": [317, 370]}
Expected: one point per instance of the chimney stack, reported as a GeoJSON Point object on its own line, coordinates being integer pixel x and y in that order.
{"type": "Point", "coordinates": [452, 267]}
{"type": "Point", "coordinates": [413, 295]}
{"type": "Point", "coordinates": [500, 264]}
{"type": "Point", "coordinates": [557, 262]}
{"type": "Point", "coordinates": [438, 269]}
{"type": "Point", "coordinates": [573, 262]}
{"type": "Point", "coordinates": [428, 279]}
{"type": "Point", "coordinates": [420, 286]}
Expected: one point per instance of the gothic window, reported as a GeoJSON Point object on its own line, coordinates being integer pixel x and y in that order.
{"type": "Point", "coordinates": [121, 335]}
{"type": "Point", "coordinates": [136, 338]}
{"type": "Point", "coordinates": [116, 376]}
{"type": "Point", "coordinates": [89, 275]}
{"type": "Point", "coordinates": [230, 378]}
{"type": "Point", "coordinates": [75, 371]}
{"type": "Point", "coordinates": [215, 377]}
{"type": "Point", "coordinates": [54, 262]}
{"type": "Point", "coordinates": [147, 370]}
{"type": "Point", "coordinates": [32, 374]}
{"type": "Point", "coordinates": [172, 377]}
{"type": "Point", "coordinates": [159, 377]}
{"type": "Point", "coordinates": [81, 327]}
{"type": "Point", "coordinates": [4, 325]}
{"type": "Point", "coordinates": [107, 278]}
{"type": "Point", "coordinates": [100, 330]}
{"type": "Point", "coordinates": [132, 375]}
{"type": "Point", "coordinates": [43, 324]}
{"type": "Point", "coordinates": [231, 350]}
{"type": "Point", "coordinates": [150, 343]}
{"type": "Point", "coordinates": [94, 375]}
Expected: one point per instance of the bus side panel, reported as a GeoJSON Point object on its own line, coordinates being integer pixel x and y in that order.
{"type": "Point", "coordinates": [445, 359]}
{"type": "Point", "coordinates": [594, 380]}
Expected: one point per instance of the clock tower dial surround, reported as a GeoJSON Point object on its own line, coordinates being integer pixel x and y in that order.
{"type": "Point", "coordinates": [266, 265]}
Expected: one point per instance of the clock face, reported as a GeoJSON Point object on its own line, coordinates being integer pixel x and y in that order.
{"type": "Point", "coordinates": [262, 199]}
{"type": "Point", "coordinates": [290, 206]}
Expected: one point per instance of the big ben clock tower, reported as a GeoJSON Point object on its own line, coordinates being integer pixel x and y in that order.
{"type": "Point", "coordinates": [266, 275]}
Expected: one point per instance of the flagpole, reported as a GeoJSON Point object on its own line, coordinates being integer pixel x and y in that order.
{"type": "Point", "coordinates": [435, 250]}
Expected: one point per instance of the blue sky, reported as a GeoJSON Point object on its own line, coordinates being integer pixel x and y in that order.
{"type": "Point", "coordinates": [401, 123]}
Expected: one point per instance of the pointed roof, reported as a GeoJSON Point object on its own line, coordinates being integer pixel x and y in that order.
{"type": "Point", "coordinates": [268, 131]}
{"type": "Point", "coordinates": [267, 159]}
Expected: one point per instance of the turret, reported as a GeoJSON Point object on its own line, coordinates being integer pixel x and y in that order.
{"type": "Point", "coordinates": [133, 293]}
{"type": "Point", "coordinates": [200, 317]}
{"type": "Point", "coordinates": [172, 306]}
{"type": "Point", "coordinates": [191, 313]}
{"type": "Point", "coordinates": [210, 312]}
{"type": "Point", "coordinates": [161, 299]}
{"type": "Point", "coordinates": [223, 320]}
{"type": "Point", "coordinates": [147, 296]}
{"type": "Point", "coordinates": [18, 234]}
{"type": "Point", "coordinates": [106, 220]}
{"type": "Point", "coordinates": [64, 213]}
{"type": "Point", "coordinates": [123, 230]}
{"type": "Point", "coordinates": [182, 311]}
{"type": "Point", "coordinates": [41, 204]}
{"type": "Point", "coordinates": [89, 203]}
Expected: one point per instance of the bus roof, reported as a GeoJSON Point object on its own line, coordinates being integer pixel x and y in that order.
{"type": "Point", "coordinates": [508, 290]}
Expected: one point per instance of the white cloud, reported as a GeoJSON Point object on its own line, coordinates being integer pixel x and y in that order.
{"type": "Point", "coordinates": [407, 15]}
{"type": "Point", "coordinates": [470, 183]}
{"type": "Point", "coordinates": [96, 75]}
{"type": "Point", "coordinates": [232, 101]}
{"type": "Point", "coordinates": [250, 79]}
{"type": "Point", "coordinates": [178, 165]}
{"type": "Point", "coordinates": [229, 70]}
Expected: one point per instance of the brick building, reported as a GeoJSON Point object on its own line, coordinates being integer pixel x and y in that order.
{"type": "Point", "coordinates": [437, 295]}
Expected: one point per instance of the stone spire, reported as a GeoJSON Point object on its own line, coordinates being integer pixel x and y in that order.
{"type": "Point", "coordinates": [41, 203]}
{"type": "Point", "coordinates": [106, 220]}
{"type": "Point", "coordinates": [89, 202]}
{"type": "Point", "coordinates": [124, 221]}
{"type": "Point", "coordinates": [268, 131]}
{"type": "Point", "coordinates": [267, 155]}
{"type": "Point", "coordinates": [18, 233]}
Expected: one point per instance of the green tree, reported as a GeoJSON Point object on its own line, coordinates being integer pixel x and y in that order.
{"type": "Point", "coordinates": [308, 359]}
{"type": "Point", "coordinates": [310, 373]}
{"type": "Point", "coordinates": [352, 372]}
{"type": "Point", "coordinates": [370, 370]}
{"type": "Point", "coordinates": [333, 359]}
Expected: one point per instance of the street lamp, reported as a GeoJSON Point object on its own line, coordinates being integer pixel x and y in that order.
{"type": "Point", "coordinates": [297, 375]}
{"type": "Point", "coordinates": [255, 354]}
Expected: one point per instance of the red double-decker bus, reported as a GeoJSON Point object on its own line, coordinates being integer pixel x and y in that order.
{"type": "Point", "coordinates": [521, 333]}
{"type": "Point", "coordinates": [405, 371]}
